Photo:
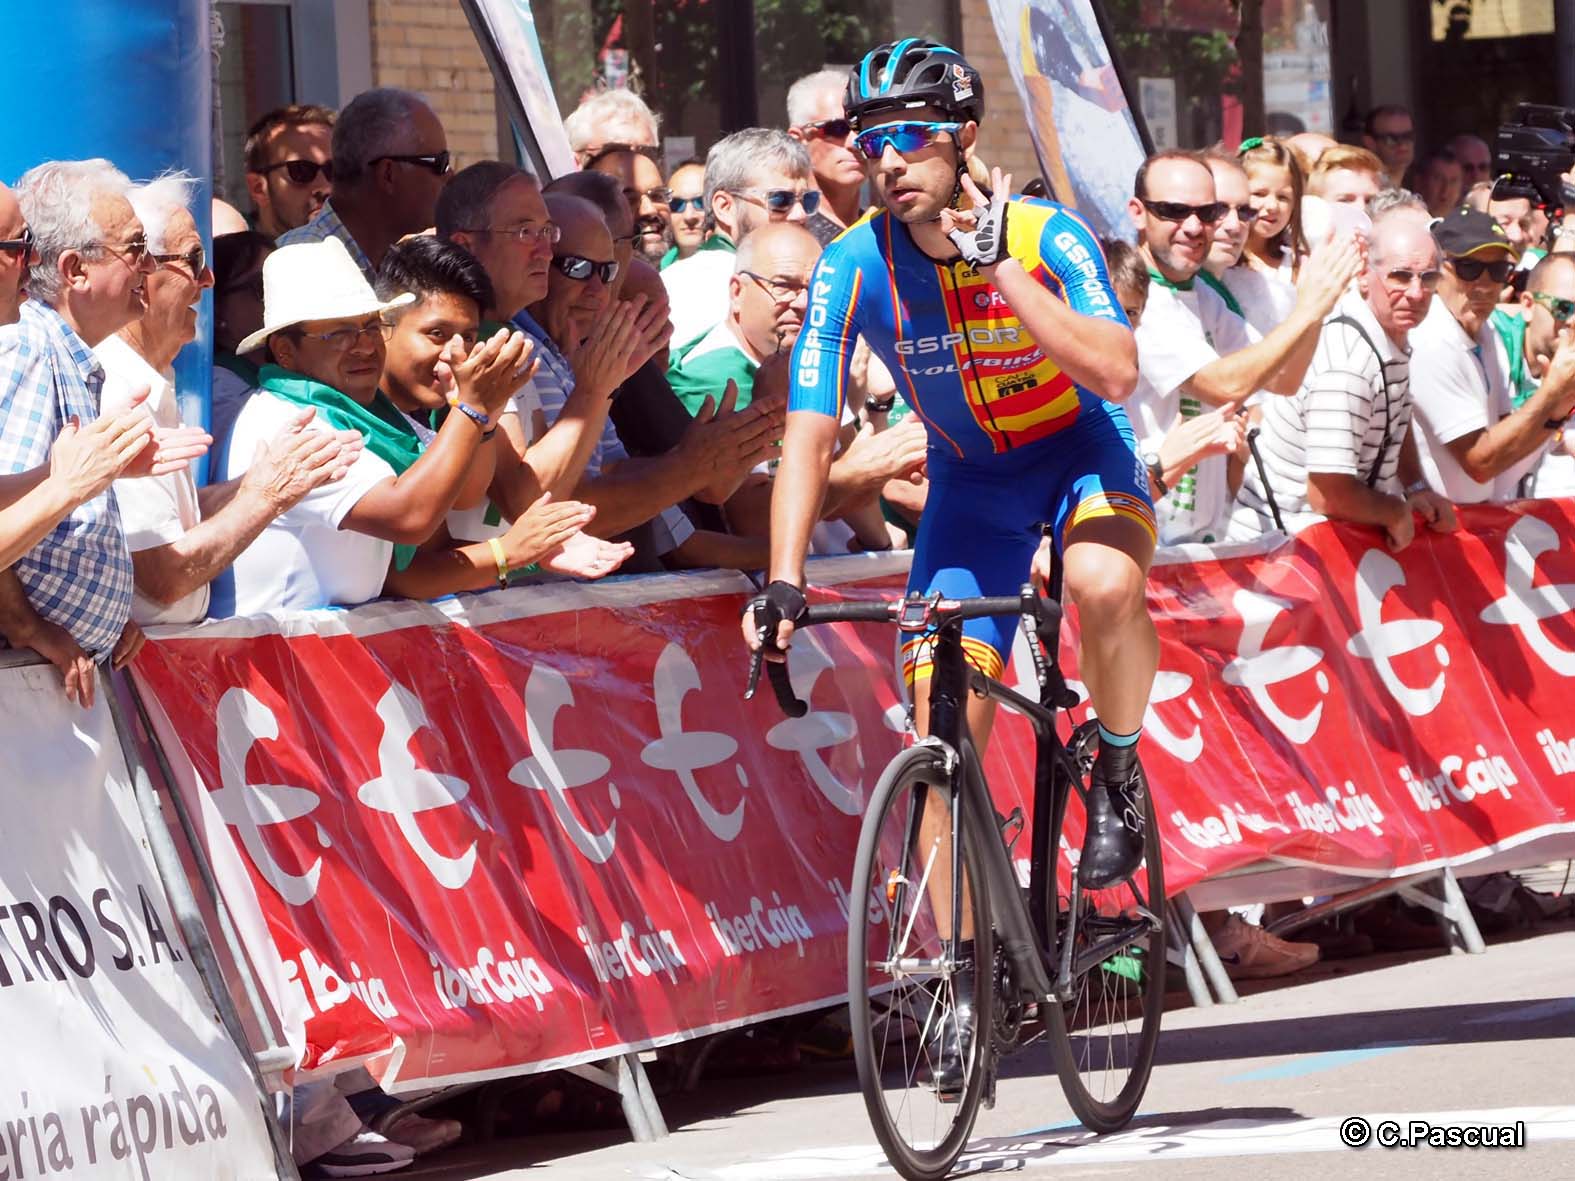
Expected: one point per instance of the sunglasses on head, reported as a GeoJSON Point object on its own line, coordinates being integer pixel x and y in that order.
{"type": "Point", "coordinates": [830, 128]}
{"type": "Point", "coordinates": [194, 260]}
{"type": "Point", "coordinates": [1562, 309]}
{"type": "Point", "coordinates": [579, 268]}
{"type": "Point", "coordinates": [22, 246]}
{"type": "Point", "coordinates": [902, 138]}
{"type": "Point", "coordinates": [437, 163]}
{"type": "Point", "coordinates": [1177, 211]}
{"type": "Point", "coordinates": [302, 172]}
{"type": "Point", "coordinates": [1469, 270]}
{"type": "Point", "coordinates": [679, 204]}
{"type": "Point", "coordinates": [782, 200]}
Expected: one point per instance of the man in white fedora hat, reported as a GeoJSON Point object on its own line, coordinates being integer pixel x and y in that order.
{"type": "Point", "coordinates": [324, 333]}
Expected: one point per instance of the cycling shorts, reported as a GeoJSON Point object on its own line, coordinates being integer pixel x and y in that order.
{"type": "Point", "coordinates": [982, 522]}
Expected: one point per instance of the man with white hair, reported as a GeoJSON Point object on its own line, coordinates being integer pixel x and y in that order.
{"type": "Point", "coordinates": [608, 119]}
{"type": "Point", "coordinates": [69, 598]}
{"type": "Point", "coordinates": [1341, 447]}
{"type": "Point", "coordinates": [816, 119]}
{"type": "Point", "coordinates": [176, 551]}
{"type": "Point", "coordinates": [391, 160]}
{"type": "Point", "coordinates": [752, 177]}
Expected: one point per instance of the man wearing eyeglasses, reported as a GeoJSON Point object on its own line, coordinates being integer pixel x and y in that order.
{"type": "Point", "coordinates": [1195, 353]}
{"type": "Point", "coordinates": [646, 196]}
{"type": "Point", "coordinates": [1475, 444]}
{"type": "Point", "coordinates": [752, 177]}
{"type": "Point", "coordinates": [816, 119]}
{"type": "Point", "coordinates": [1390, 134]}
{"type": "Point", "coordinates": [390, 163]}
{"type": "Point", "coordinates": [289, 167]}
{"type": "Point", "coordinates": [69, 598]}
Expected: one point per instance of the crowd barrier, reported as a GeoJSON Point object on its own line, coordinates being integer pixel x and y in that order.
{"type": "Point", "coordinates": [539, 827]}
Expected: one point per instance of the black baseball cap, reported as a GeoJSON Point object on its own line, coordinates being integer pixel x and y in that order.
{"type": "Point", "coordinates": [1465, 232]}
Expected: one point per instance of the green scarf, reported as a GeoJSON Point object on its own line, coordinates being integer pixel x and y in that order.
{"type": "Point", "coordinates": [1164, 282]}
{"type": "Point", "coordinates": [1223, 292]}
{"type": "Point", "coordinates": [387, 432]}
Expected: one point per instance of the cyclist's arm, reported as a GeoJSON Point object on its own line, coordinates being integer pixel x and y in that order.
{"type": "Point", "coordinates": [802, 476]}
{"type": "Point", "coordinates": [1086, 334]}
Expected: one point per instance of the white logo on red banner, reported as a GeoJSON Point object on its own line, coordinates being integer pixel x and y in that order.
{"type": "Point", "coordinates": [243, 721]}
{"type": "Point", "coordinates": [557, 772]}
{"type": "Point", "coordinates": [819, 729]}
{"type": "Point", "coordinates": [683, 752]}
{"type": "Point", "coordinates": [1169, 686]}
{"type": "Point", "coordinates": [1524, 606]}
{"type": "Point", "coordinates": [1256, 667]}
{"type": "Point", "coordinates": [1380, 641]}
{"type": "Point", "coordinates": [404, 790]}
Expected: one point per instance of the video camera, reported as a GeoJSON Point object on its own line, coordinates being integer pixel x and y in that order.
{"type": "Point", "coordinates": [1532, 151]}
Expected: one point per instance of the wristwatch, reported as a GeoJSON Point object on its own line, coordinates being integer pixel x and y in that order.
{"type": "Point", "coordinates": [880, 405]}
{"type": "Point", "coordinates": [1156, 470]}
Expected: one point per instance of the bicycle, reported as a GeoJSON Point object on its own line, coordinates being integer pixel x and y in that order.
{"type": "Point", "coordinates": [1081, 962]}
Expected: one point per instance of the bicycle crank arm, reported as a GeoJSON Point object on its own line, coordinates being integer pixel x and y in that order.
{"type": "Point", "coordinates": [1097, 953]}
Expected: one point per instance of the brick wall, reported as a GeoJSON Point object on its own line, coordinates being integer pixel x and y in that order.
{"type": "Point", "coordinates": [1004, 141]}
{"type": "Point", "coordinates": [427, 46]}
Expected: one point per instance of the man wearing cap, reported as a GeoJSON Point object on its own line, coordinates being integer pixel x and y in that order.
{"type": "Point", "coordinates": [323, 327]}
{"type": "Point", "coordinates": [1474, 445]}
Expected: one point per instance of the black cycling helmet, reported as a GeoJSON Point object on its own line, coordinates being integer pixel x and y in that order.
{"type": "Point", "coordinates": [912, 73]}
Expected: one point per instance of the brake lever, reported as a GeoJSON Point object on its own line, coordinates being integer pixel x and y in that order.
{"type": "Point", "coordinates": [756, 659]}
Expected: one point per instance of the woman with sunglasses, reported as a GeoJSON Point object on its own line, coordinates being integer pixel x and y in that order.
{"type": "Point", "coordinates": [1004, 334]}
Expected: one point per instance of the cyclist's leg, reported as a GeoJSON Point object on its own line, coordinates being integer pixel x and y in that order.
{"type": "Point", "coordinates": [1105, 528]}
{"type": "Point", "coordinates": [976, 538]}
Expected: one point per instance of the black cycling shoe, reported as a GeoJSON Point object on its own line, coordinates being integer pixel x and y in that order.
{"type": "Point", "coordinates": [952, 1037]}
{"type": "Point", "coordinates": [1113, 843]}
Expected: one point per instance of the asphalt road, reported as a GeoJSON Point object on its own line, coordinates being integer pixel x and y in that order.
{"type": "Point", "coordinates": [1458, 1040]}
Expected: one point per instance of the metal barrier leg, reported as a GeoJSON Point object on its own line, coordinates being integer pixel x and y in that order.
{"type": "Point", "coordinates": [1183, 953]}
{"type": "Point", "coordinates": [1213, 970]}
{"type": "Point", "coordinates": [1454, 915]}
{"type": "Point", "coordinates": [187, 914]}
{"type": "Point", "coordinates": [628, 1079]}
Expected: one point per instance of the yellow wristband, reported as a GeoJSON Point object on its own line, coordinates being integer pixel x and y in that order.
{"type": "Point", "coordinates": [501, 559]}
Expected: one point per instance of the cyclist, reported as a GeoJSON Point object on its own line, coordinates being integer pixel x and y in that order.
{"type": "Point", "coordinates": [1004, 335]}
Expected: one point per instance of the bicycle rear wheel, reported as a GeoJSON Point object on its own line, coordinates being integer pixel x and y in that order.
{"type": "Point", "coordinates": [1103, 1039]}
{"type": "Point", "coordinates": [904, 980]}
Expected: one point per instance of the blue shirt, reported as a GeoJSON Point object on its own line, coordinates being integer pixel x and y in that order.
{"type": "Point", "coordinates": [80, 576]}
{"type": "Point", "coordinates": [324, 225]}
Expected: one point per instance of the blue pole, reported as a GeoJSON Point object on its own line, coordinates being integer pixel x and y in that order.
{"type": "Point", "coordinates": [129, 80]}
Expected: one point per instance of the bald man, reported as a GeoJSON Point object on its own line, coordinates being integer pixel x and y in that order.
{"type": "Point", "coordinates": [766, 299]}
{"type": "Point", "coordinates": [1308, 146]}
{"type": "Point", "coordinates": [15, 253]}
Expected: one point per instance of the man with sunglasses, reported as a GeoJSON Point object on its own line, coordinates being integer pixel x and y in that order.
{"type": "Point", "coordinates": [390, 163]}
{"type": "Point", "coordinates": [752, 177]}
{"type": "Point", "coordinates": [289, 167]}
{"type": "Point", "coordinates": [1475, 445]}
{"type": "Point", "coordinates": [16, 255]}
{"type": "Point", "coordinates": [816, 118]}
{"type": "Point", "coordinates": [647, 197]}
{"type": "Point", "coordinates": [1195, 351]}
{"type": "Point", "coordinates": [69, 598]}
{"type": "Point", "coordinates": [686, 211]}
{"type": "Point", "coordinates": [1390, 134]}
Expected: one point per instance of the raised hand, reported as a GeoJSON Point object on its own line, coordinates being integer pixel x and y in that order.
{"type": "Point", "coordinates": [1329, 272]}
{"type": "Point", "coordinates": [604, 360]}
{"type": "Point", "coordinates": [584, 556]}
{"type": "Point", "coordinates": [486, 376]}
{"type": "Point", "coordinates": [87, 460]}
{"type": "Point", "coordinates": [543, 528]}
{"type": "Point", "coordinates": [980, 234]}
{"type": "Point", "coordinates": [298, 460]}
{"type": "Point", "coordinates": [172, 450]}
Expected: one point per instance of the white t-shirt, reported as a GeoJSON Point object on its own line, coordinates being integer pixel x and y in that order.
{"type": "Point", "coordinates": [697, 290]}
{"type": "Point", "coordinates": [1350, 418]}
{"type": "Point", "coordinates": [303, 559]}
{"type": "Point", "coordinates": [1458, 386]}
{"type": "Point", "coordinates": [154, 510]}
{"type": "Point", "coordinates": [1181, 333]}
{"type": "Point", "coordinates": [1265, 300]}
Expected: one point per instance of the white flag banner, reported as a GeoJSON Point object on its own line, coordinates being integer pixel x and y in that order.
{"type": "Point", "coordinates": [115, 1062]}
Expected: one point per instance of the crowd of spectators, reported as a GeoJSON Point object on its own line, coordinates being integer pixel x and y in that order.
{"type": "Point", "coordinates": [429, 381]}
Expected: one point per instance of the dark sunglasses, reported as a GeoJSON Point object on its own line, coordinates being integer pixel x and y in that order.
{"type": "Point", "coordinates": [830, 128]}
{"type": "Point", "coordinates": [679, 204]}
{"type": "Point", "coordinates": [579, 268]}
{"type": "Point", "coordinates": [1394, 137]}
{"type": "Point", "coordinates": [1469, 270]}
{"type": "Point", "coordinates": [437, 164]}
{"type": "Point", "coordinates": [1247, 213]}
{"type": "Point", "coordinates": [1562, 309]}
{"type": "Point", "coordinates": [194, 260]}
{"type": "Point", "coordinates": [22, 246]}
{"type": "Point", "coordinates": [1178, 212]}
{"type": "Point", "coordinates": [302, 172]}
{"type": "Point", "coordinates": [783, 200]}
{"type": "Point", "coordinates": [903, 138]}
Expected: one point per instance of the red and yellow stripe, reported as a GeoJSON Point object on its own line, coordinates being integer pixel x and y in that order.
{"type": "Point", "coordinates": [1111, 503]}
{"type": "Point", "coordinates": [918, 658]}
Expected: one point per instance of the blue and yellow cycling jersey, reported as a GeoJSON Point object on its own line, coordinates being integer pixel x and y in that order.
{"type": "Point", "coordinates": [961, 358]}
{"type": "Point", "coordinates": [1015, 444]}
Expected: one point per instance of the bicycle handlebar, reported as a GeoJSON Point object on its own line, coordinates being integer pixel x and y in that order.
{"type": "Point", "coordinates": [1029, 603]}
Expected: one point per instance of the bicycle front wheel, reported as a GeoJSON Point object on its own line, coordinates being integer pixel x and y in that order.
{"type": "Point", "coordinates": [921, 1001]}
{"type": "Point", "coordinates": [1104, 1037]}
